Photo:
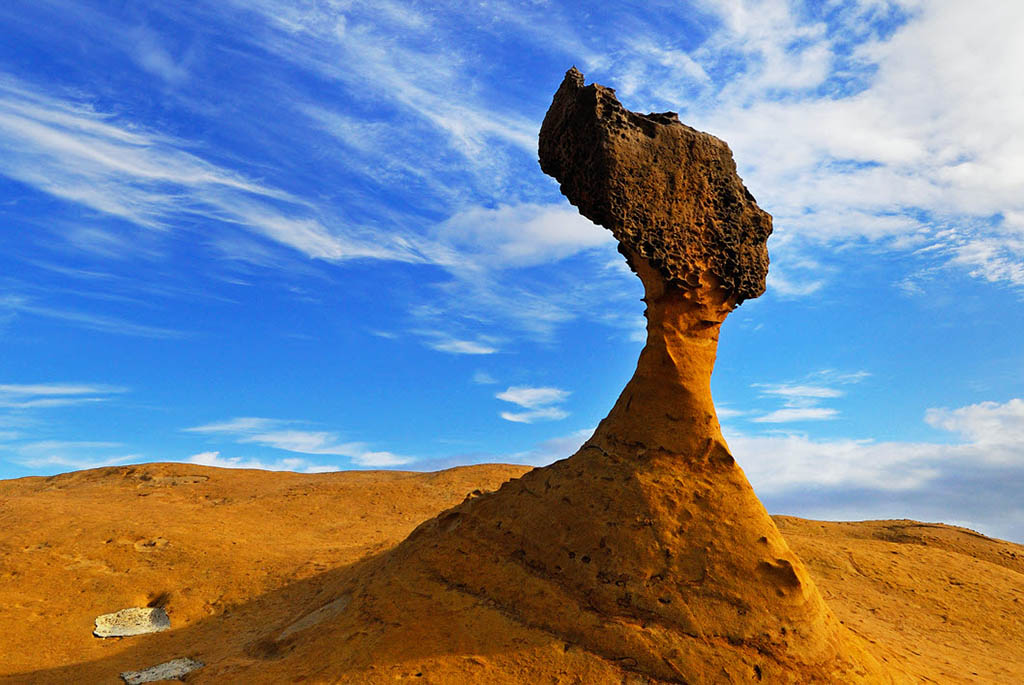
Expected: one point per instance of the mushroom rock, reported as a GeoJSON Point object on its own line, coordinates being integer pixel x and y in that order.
{"type": "Point", "coordinates": [648, 547]}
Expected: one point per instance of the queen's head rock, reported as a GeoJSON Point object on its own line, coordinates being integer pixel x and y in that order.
{"type": "Point", "coordinates": [645, 556]}
{"type": "Point", "coordinates": [669, 193]}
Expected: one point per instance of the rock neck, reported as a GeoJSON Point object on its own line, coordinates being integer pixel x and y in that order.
{"type": "Point", "coordinates": [667, 404]}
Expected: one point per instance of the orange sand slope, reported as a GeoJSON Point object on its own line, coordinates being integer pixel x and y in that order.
{"type": "Point", "coordinates": [253, 568]}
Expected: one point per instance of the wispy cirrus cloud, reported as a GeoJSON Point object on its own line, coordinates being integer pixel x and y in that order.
{"type": "Point", "coordinates": [50, 389]}
{"type": "Point", "coordinates": [31, 444]}
{"type": "Point", "coordinates": [800, 414]}
{"type": "Point", "coordinates": [426, 126]}
{"type": "Point", "coordinates": [438, 103]}
{"type": "Point", "coordinates": [49, 395]}
{"type": "Point", "coordinates": [796, 393]}
{"type": "Point", "coordinates": [72, 151]}
{"type": "Point", "coordinates": [68, 454]}
{"type": "Point", "coordinates": [445, 342]}
{"type": "Point", "coordinates": [283, 435]}
{"type": "Point", "coordinates": [105, 323]}
{"type": "Point", "coordinates": [802, 399]}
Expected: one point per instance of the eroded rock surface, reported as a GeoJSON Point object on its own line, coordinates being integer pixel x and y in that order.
{"type": "Point", "coordinates": [175, 669]}
{"type": "Point", "coordinates": [132, 621]}
{"type": "Point", "coordinates": [669, 193]}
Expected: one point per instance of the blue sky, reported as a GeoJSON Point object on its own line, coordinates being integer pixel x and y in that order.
{"type": "Point", "coordinates": [314, 235]}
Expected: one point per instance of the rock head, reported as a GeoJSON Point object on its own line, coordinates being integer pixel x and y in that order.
{"type": "Point", "coordinates": [668, 193]}
{"type": "Point", "coordinates": [647, 551]}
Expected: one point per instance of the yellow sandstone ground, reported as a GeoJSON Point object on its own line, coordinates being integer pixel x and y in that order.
{"type": "Point", "coordinates": [253, 568]}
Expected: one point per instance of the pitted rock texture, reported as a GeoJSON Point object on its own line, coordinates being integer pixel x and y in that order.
{"type": "Point", "coordinates": [176, 669]}
{"type": "Point", "coordinates": [132, 621]}
{"type": "Point", "coordinates": [668, 192]}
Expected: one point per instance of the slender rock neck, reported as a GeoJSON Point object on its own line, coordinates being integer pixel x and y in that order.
{"type": "Point", "coordinates": [673, 375]}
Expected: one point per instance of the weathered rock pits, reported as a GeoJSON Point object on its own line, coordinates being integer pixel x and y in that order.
{"type": "Point", "coordinates": [669, 193]}
{"type": "Point", "coordinates": [132, 621]}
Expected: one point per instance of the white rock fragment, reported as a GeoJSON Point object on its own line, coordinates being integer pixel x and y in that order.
{"type": "Point", "coordinates": [133, 621]}
{"type": "Point", "coordinates": [318, 616]}
{"type": "Point", "coordinates": [170, 670]}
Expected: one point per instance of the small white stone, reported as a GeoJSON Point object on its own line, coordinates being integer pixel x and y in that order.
{"type": "Point", "coordinates": [132, 621]}
{"type": "Point", "coordinates": [170, 670]}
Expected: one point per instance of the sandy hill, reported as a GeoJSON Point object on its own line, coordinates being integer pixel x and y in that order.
{"type": "Point", "coordinates": [241, 558]}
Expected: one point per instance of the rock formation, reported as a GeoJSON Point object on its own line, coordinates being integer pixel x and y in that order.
{"type": "Point", "coordinates": [668, 193]}
{"type": "Point", "coordinates": [648, 547]}
{"type": "Point", "coordinates": [132, 621]}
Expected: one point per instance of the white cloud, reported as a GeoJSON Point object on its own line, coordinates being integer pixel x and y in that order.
{"type": "Point", "coordinates": [801, 399]}
{"type": "Point", "coordinates": [300, 465]}
{"type": "Point", "coordinates": [367, 458]}
{"type": "Point", "coordinates": [52, 445]}
{"type": "Point", "coordinates": [799, 392]}
{"type": "Point", "coordinates": [726, 413]}
{"type": "Point", "coordinates": [150, 53]}
{"type": "Point", "coordinates": [93, 322]}
{"type": "Point", "coordinates": [510, 236]}
{"type": "Point", "coordinates": [535, 302]}
{"type": "Point", "coordinates": [280, 434]}
{"type": "Point", "coordinates": [242, 424]}
{"type": "Point", "coordinates": [50, 395]}
{"type": "Point", "coordinates": [539, 403]}
{"type": "Point", "coordinates": [49, 402]}
{"type": "Point", "coordinates": [412, 75]}
{"type": "Point", "coordinates": [77, 464]}
{"type": "Point", "coordinates": [443, 341]}
{"type": "Point", "coordinates": [987, 423]}
{"type": "Point", "coordinates": [903, 143]}
{"type": "Point", "coordinates": [441, 134]}
{"type": "Point", "coordinates": [462, 346]}
{"type": "Point", "coordinates": [782, 284]}
{"type": "Point", "coordinates": [542, 414]}
{"type": "Point", "coordinates": [994, 435]}
{"type": "Point", "coordinates": [802, 414]}
{"type": "Point", "coordinates": [50, 389]}
{"type": "Point", "coordinates": [779, 463]}
{"type": "Point", "coordinates": [306, 442]}
{"type": "Point", "coordinates": [70, 151]}
{"type": "Point", "coordinates": [531, 397]}
{"type": "Point", "coordinates": [994, 259]}
{"type": "Point", "coordinates": [851, 127]}
{"type": "Point", "coordinates": [976, 480]}
{"type": "Point", "coordinates": [483, 378]}
{"type": "Point", "coordinates": [69, 454]}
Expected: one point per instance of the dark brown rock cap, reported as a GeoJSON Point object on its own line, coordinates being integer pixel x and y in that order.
{"type": "Point", "coordinates": [669, 193]}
